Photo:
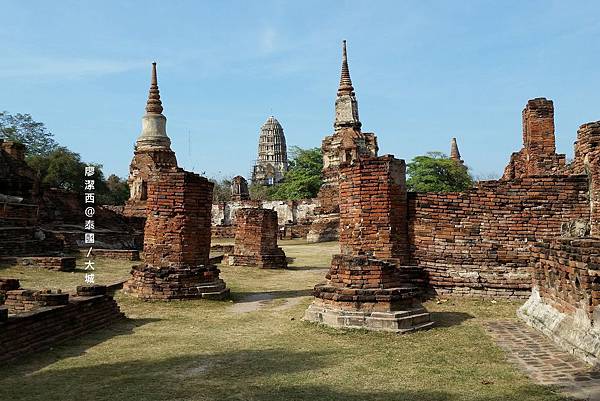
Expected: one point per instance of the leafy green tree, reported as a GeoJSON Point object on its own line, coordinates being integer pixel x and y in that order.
{"type": "Point", "coordinates": [113, 191]}
{"type": "Point", "coordinates": [22, 128]}
{"type": "Point", "coordinates": [260, 192]}
{"type": "Point", "coordinates": [60, 168]}
{"type": "Point", "coordinates": [303, 178]}
{"type": "Point", "coordinates": [435, 172]}
{"type": "Point", "coordinates": [221, 190]}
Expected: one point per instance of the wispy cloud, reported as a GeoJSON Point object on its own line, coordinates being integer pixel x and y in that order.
{"type": "Point", "coordinates": [66, 68]}
{"type": "Point", "coordinates": [267, 40]}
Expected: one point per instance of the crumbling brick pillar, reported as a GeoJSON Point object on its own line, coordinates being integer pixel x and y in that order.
{"type": "Point", "coordinates": [367, 286]}
{"type": "Point", "coordinates": [538, 155]}
{"type": "Point", "coordinates": [177, 240]}
{"type": "Point", "coordinates": [256, 240]}
{"type": "Point", "coordinates": [587, 161]}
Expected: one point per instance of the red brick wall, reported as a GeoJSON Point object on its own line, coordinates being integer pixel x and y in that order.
{"type": "Point", "coordinates": [479, 242]}
{"type": "Point", "coordinates": [567, 274]}
{"type": "Point", "coordinates": [178, 228]}
{"type": "Point", "coordinates": [373, 208]}
{"type": "Point", "coordinates": [256, 231]}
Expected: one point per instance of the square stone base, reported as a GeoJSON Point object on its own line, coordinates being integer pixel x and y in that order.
{"type": "Point", "coordinates": [170, 283]}
{"type": "Point", "coordinates": [404, 321]}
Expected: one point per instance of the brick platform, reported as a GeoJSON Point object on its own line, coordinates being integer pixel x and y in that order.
{"type": "Point", "coordinates": [367, 287]}
{"type": "Point", "coordinates": [122, 254]}
{"type": "Point", "coordinates": [56, 318]}
{"type": "Point", "coordinates": [58, 263]}
{"type": "Point", "coordinates": [256, 240]}
{"type": "Point", "coordinates": [177, 241]}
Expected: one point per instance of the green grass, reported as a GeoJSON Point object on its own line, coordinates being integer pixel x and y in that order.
{"type": "Point", "coordinates": [203, 350]}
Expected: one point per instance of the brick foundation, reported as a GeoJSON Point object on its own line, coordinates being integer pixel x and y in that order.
{"type": "Point", "coordinates": [177, 241]}
{"type": "Point", "coordinates": [54, 319]}
{"type": "Point", "coordinates": [565, 299]}
{"type": "Point", "coordinates": [121, 254]}
{"type": "Point", "coordinates": [57, 263]}
{"type": "Point", "coordinates": [256, 240]}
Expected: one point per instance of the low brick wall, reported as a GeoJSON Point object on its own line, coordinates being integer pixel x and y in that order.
{"type": "Point", "coordinates": [57, 263]}
{"type": "Point", "coordinates": [565, 299]}
{"type": "Point", "coordinates": [121, 254]}
{"type": "Point", "coordinates": [39, 329]}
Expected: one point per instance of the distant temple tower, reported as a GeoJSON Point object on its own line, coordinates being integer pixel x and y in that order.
{"type": "Point", "coordinates": [272, 160]}
{"type": "Point", "coordinates": [152, 150]}
{"type": "Point", "coordinates": [454, 153]}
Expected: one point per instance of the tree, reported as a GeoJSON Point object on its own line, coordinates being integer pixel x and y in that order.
{"type": "Point", "coordinates": [222, 190]}
{"type": "Point", "coordinates": [61, 168]}
{"type": "Point", "coordinates": [22, 128]}
{"type": "Point", "coordinates": [435, 172]}
{"type": "Point", "coordinates": [303, 178]}
{"type": "Point", "coordinates": [113, 191]}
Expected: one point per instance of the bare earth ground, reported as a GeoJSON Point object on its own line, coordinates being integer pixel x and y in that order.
{"type": "Point", "coordinates": [257, 348]}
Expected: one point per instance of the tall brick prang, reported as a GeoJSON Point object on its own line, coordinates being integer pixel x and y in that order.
{"type": "Point", "coordinates": [367, 286]}
{"type": "Point", "coordinates": [256, 240]}
{"type": "Point", "coordinates": [177, 240]}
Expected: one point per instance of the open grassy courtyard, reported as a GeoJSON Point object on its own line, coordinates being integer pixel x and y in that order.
{"type": "Point", "coordinates": [256, 347]}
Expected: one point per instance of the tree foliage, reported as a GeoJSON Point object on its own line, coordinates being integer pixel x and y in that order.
{"type": "Point", "coordinates": [221, 190]}
{"type": "Point", "coordinates": [22, 128]}
{"type": "Point", "coordinates": [435, 172]}
{"type": "Point", "coordinates": [64, 169]}
{"type": "Point", "coordinates": [303, 178]}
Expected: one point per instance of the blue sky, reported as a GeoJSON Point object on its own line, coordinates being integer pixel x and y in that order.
{"type": "Point", "coordinates": [424, 71]}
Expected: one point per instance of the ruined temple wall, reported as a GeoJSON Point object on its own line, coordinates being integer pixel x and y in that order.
{"type": "Point", "coordinates": [478, 242]}
{"type": "Point", "coordinates": [565, 300]}
{"type": "Point", "coordinates": [288, 212]}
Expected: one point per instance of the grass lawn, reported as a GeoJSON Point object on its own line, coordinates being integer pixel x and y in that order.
{"type": "Point", "coordinates": [210, 350]}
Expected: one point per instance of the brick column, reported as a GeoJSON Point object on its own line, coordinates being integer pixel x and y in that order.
{"type": "Point", "coordinates": [177, 240]}
{"type": "Point", "coordinates": [256, 240]}
{"type": "Point", "coordinates": [367, 286]}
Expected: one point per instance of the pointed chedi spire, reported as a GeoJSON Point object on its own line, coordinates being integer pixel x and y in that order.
{"type": "Point", "coordinates": [154, 123]}
{"type": "Point", "coordinates": [346, 87]}
{"type": "Point", "coordinates": [346, 106]}
{"type": "Point", "coordinates": [454, 153]}
{"type": "Point", "coordinates": [154, 105]}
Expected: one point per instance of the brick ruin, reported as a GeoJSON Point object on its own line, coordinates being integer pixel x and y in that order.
{"type": "Point", "coordinates": [367, 285]}
{"type": "Point", "coordinates": [295, 217]}
{"type": "Point", "coordinates": [239, 189]}
{"type": "Point", "coordinates": [347, 143]}
{"type": "Point", "coordinates": [35, 320]}
{"type": "Point", "coordinates": [538, 155]}
{"type": "Point", "coordinates": [152, 151]}
{"type": "Point", "coordinates": [177, 238]}
{"type": "Point", "coordinates": [256, 240]}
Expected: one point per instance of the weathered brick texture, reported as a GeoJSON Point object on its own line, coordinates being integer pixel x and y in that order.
{"type": "Point", "coordinates": [373, 209]}
{"type": "Point", "coordinates": [538, 156]}
{"type": "Point", "coordinates": [479, 242]}
{"type": "Point", "coordinates": [38, 320]}
{"type": "Point", "coordinates": [177, 240]}
{"type": "Point", "coordinates": [256, 240]}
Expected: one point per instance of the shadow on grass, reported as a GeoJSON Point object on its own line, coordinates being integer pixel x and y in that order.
{"type": "Point", "coordinates": [73, 347]}
{"type": "Point", "coordinates": [259, 375]}
{"type": "Point", "coordinates": [241, 297]}
{"type": "Point", "coordinates": [449, 319]}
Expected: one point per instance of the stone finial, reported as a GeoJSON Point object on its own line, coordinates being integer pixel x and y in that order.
{"type": "Point", "coordinates": [454, 153]}
{"type": "Point", "coordinates": [154, 105]}
{"type": "Point", "coordinates": [345, 81]}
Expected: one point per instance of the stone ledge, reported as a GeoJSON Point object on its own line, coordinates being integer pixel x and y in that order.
{"type": "Point", "coordinates": [572, 332]}
{"type": "Point", "coordinates": [404, 321]}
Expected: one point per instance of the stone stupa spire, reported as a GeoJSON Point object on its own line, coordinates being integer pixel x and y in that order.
{"type": "Point", "coordinates": [346, 87]}
{"type": "Point", "coordinates": [346, 106]}
{"type": "Point", "coordinates": [154, 123]}
{"type": "Point", "coordinates": [454, 153]}
{"type": "Point", "coordinates": [154, 105]}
